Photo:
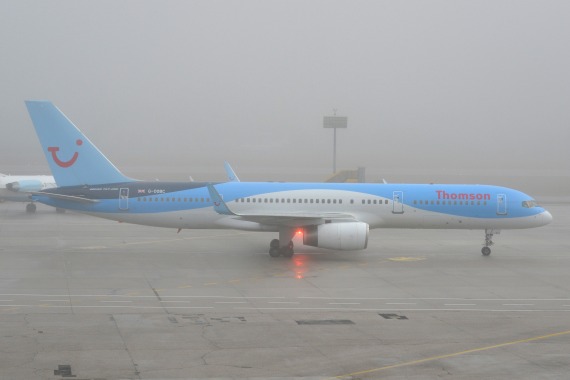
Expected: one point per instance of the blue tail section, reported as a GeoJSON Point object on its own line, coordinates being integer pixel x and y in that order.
{"type": "Point", "coordinates": [72, 158]}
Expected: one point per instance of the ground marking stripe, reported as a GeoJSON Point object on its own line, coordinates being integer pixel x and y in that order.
{"type": "Point", "coordinates": [439, 357]}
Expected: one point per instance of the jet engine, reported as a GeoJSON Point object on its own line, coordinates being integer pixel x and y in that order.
{"type": "Point", "coordinates": [346, 236]}
{"type": "Point", "coordinates": [25, 186]}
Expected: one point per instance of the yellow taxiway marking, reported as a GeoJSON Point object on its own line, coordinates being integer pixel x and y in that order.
{"type": "Point", "coordinates": [439, 357]}
{"type": "Point", "coordinates": [407, 258]}
{"type": "Point", "coordinates": [8, 308]}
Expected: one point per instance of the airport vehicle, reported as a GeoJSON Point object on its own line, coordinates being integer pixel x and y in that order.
{"type": "Point", "coordinates": [329, 215]}
{"type": "Point", "coordinates": [18, 188]}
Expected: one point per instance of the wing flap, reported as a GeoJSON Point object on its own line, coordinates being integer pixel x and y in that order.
{"type": "Point", "coordinates": [295, 220]}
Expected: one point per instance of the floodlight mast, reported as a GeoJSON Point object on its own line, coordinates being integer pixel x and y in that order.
{"type": "Point", "coordinates": [334, 122]}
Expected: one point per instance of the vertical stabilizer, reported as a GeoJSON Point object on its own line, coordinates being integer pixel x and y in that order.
{"type": "Point", "coordinates": [72, 158]}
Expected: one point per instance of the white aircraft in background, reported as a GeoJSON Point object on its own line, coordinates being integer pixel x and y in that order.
{"type": "Point", "coordinates": [18, 188]}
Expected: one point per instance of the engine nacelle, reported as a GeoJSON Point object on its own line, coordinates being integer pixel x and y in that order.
{"type": "Point", "coordinates": [25, 186]}
{"type": "Point", "coordinates": [349, 236]}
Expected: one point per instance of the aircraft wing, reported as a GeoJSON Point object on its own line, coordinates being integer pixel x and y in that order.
{"type": "Point", "coordinates": [280, 219]}
{"type": "Point", "coordinates": [66, 197]}
{"type": "Point", "coordinates": [293, 220]}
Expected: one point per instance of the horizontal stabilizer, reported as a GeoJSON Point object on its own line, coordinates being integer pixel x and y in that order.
{"type": "Point", "coordinates": [70, 198]}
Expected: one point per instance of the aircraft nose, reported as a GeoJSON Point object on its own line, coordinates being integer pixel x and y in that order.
{"type": "Point", "coordinates": [546, 217]}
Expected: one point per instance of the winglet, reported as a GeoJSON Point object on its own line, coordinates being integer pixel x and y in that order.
{"type": "Point", "coordinates": [232, 176]}
{"type": "Point", "coordinates": [219, 205]}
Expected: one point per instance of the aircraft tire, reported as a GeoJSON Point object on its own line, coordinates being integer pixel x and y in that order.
{"type": "Point", "coordinates": [486, 251]}
{"type": "Point", "coordinates": [30, 208]}
{"type": "Point", "coordinates": [273, 252]}
{"type": "Point", "coordinates": [287, 252]}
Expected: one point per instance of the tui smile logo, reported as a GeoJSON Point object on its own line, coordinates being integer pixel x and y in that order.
{"type": "Point", "coordinates": [64, 164]}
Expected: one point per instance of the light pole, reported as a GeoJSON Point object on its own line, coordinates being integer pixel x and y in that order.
{"type": "Point", "coordinates": [335, 122]}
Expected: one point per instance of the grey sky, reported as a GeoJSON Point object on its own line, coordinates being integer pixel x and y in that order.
{"type": "Point", "coordinates": [433, 87]}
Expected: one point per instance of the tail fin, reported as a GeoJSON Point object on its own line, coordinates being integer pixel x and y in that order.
{"type": "Point", "coordinates": [72, 158]}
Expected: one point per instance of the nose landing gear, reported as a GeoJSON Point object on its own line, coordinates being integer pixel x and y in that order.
{"type": "Point", "coordinates": [486, 251]}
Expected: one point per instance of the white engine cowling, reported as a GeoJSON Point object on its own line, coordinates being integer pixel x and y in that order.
{"type": "Point", "coordinates": [26, 185]}
{"type": "Point", "coordinates": [349, 236]}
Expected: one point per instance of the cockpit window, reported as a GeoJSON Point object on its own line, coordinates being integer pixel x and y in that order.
{"type": "Point", "coordinates": [530, 204]}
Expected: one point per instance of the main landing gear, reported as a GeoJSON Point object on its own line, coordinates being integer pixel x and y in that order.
{"type": "Point", "coordinates": [275, 247]}
{"type": "Point", "coordinates": [486, 251]}
{"type": "Point", "coordinates": [31, 208]}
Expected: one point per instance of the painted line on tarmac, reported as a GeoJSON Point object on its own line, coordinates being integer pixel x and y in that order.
{"type": "Point", "coordinates": [446, 356]}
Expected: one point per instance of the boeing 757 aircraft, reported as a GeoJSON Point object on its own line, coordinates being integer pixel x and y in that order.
{"type": "Point", "coordinates": [329, 215]}
{"type": "Point", "coordinates": [18, 188]}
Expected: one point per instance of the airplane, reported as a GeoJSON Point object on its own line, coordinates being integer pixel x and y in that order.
{"type": "Point", "coordinates": [19, 188]}
{"type": "Point", "coordinates": [335, 216]}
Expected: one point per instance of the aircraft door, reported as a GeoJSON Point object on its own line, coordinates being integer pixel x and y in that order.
{"type": "Point", "coordinates": [501, 204]}
{"type": "Point", "coordinates": [124, 198]}
{"type": "Point", "coordinates": [398, 202]}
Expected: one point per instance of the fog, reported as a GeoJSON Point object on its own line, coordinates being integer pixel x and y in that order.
{"type": "Point", "coordinates": [468, 91]}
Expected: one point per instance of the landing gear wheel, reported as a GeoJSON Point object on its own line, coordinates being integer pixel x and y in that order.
{"type": "Point", "coordinates": [273, 252]}
{"type": "Point", "coordinates": [486, 251]}
{"type": "Point", "coordinates": [274, 248]}
{"type": "Point", "coordinates": [30, 208]}
{"type": "Point", "coordinates": [287, 251]}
